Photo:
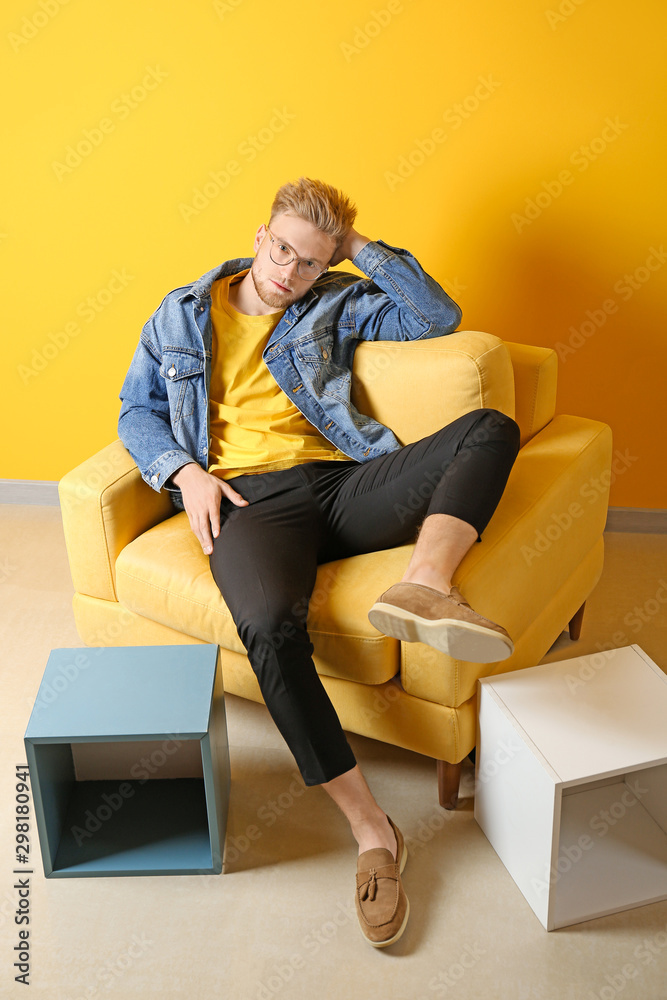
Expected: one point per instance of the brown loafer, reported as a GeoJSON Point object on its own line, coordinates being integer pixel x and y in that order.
{"type": "Point", "coordinates": [382, 906]}
{"type": "Point", "coordinates": [414, 613]}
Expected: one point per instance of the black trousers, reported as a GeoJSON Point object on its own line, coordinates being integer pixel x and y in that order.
{"type": "Point", "coordinates": [265, 558]}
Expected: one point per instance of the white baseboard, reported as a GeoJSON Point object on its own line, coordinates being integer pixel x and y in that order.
{"type": "Point", "coordinates": [45, 493]}
{"type": "Point", "coordinates": [42, 493]}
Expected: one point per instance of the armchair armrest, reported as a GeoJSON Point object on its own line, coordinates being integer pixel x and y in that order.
{"type": "Point", "coordinates": [105, 504]}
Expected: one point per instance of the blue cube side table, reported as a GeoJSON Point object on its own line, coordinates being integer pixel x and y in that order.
{"type": "Point", "coordinates": [129, 763]}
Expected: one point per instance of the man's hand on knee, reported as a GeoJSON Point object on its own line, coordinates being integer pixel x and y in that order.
{"type": "Point", "coordinates": [202, 494]}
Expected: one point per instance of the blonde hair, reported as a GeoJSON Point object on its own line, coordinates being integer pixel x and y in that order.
{"type": "Point", "coordinates": [323, 206]}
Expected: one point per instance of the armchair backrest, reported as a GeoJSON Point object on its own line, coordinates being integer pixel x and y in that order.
{"type": "Point", "coordinates": [416, 387]}
{"type": "Point", "coordinates": [535, 385]}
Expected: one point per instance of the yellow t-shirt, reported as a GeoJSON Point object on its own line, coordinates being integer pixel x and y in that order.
{"type": "Point", "coordinates": [255, 427]}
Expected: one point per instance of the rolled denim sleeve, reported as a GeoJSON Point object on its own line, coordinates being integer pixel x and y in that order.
{"type": "Point", "coordinates": [144, 424]}
{"type": "Point", "coordinates": [399, 301]}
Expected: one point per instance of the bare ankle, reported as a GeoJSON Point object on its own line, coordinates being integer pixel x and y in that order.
{"type": "Point", "coordinates": [426, 577]}
{"type": "Point", "coordinates": [375, 834]}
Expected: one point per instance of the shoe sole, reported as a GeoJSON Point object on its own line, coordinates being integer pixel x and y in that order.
{"type": "Point", "coordinates": [392, 940]}
{"type": "Point", "coordinates": [461, 640]}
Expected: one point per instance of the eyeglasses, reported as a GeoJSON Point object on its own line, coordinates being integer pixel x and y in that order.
{"type": "Point", "coordinates": [282, 254]}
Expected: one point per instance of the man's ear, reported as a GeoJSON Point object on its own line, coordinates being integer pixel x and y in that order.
{"type": "Point", "coordinates": [259, 236]}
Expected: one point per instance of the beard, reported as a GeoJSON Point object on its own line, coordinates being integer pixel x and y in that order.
{"type": "Point", "coordinates": [267, 291]}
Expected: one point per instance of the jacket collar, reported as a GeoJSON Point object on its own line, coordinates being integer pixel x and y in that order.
{"type": "Point", "coordinates": [201, 288]}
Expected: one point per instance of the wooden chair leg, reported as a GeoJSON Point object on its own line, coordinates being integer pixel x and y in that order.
{"type": "Point", "coordinates": [449, 776]}
{"type": "Point", "coordinates": [575, 623]}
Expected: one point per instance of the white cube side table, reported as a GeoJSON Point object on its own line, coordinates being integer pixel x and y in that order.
{"type": "Point", "coordinates": [571, 782]}
{"type": "Point", "coordinates": [128, 760]}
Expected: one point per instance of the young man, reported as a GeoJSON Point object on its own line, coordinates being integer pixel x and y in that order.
{"type": "Point", "coordinates": [238, 401]}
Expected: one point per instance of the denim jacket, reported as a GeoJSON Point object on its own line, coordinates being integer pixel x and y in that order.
{"type": "Point", "coordinates": [164, 417]}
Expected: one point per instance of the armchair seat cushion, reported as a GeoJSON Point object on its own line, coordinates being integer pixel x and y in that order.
{"type": "Point", "coordinates": [163, 575]}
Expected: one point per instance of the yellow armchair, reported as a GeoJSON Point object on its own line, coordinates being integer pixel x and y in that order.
{"type": "Point", "coordinates": [141, 577]}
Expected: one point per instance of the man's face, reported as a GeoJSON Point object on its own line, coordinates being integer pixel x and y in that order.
{"type": "Point", "coordinates": [278, 286]}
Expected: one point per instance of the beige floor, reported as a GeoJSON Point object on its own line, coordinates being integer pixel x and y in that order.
{"type": "Point", "coordinates": [280, 921]}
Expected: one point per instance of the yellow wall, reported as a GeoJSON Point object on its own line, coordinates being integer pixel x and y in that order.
{"type": "Point", "coordinates": [442, 120]}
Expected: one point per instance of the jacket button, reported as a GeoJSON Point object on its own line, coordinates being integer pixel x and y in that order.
{"type": "Point", "coordinates": [154, 479]}
{"type": "Point", "coordinates": [325, 355]}
{"type": "Point", "coordinates": [171, 372]}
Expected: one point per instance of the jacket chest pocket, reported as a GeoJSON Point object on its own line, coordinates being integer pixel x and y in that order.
{"type": "Point", "coordinates": [328, 378]}
{"type": "Point", "coordinates": [181, 371]}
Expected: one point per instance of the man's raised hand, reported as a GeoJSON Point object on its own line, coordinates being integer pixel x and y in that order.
{"type": "Point", "coordinates": [350, 247]}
